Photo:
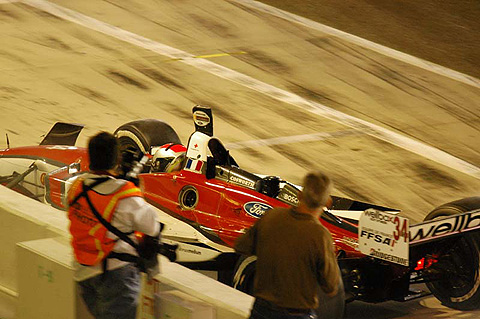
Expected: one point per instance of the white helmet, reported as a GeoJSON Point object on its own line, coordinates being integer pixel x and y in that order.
{"type": "Point", "coordinates": [168, 158]}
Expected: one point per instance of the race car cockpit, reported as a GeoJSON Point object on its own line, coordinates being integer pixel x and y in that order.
{"type": "Point", "coordinates": [221, 165]}
{"type": "Point", "coordinates": [220, 156]}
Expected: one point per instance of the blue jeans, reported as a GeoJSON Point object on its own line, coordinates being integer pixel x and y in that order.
{"type": "Point", "coordinates": [263, 309]}
{"type": "Point", "coordinates": [115, 296]}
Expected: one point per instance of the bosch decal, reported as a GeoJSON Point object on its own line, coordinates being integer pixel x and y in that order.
{"type": "Point", "coordinates": [289, 198]}
{"type": "Point", "coordinates": [256, 209]}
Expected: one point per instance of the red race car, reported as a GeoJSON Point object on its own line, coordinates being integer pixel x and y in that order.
{"type": "Point", "coordinates": [206, 200]}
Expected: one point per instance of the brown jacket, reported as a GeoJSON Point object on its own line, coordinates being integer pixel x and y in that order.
{"type": "Point", "coordinates": [295, 256]}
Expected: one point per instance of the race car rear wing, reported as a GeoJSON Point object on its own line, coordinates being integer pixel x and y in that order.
{"type": "Point", "coordinates": [62, 134]}
{"type": "Point", "coordinates": [389, 237]}
{"type": "Point", "coordinates": [443, 227]}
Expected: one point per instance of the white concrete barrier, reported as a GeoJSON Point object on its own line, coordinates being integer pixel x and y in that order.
{"type": "Point", "coordinates": [23, 219]}
{"type": "Point", "coordinates": [36, 236]}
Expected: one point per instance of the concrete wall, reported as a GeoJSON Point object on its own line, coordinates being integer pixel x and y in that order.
{"type": "Point", "coordinates": [26, 220]}
{"type": "Point", "coordinates": [23, 219]}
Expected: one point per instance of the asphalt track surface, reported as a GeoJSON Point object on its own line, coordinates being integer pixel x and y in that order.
{"type": "Point", "coordinates": [287, 97]}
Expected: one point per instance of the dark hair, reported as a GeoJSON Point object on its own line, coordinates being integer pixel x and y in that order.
{"type": "Point", "coordinates": [316, 189]}
{"type": "Point", "coordinates": [103, 152]}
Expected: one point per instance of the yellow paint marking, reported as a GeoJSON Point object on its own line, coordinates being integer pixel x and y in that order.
{"type": "Point", "coordinates": [210, 56]}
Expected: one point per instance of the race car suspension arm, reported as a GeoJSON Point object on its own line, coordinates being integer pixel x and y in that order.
{"type": "Point", "coordinates": [16, 180]}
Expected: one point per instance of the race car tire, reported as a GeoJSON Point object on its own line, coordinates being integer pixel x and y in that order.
{"type": "Point", "coordinates": [460, 291]}
{"type": "Point", "coordinates": [143, 134]}
{"type": "Point", "coordinates": [329, 308]}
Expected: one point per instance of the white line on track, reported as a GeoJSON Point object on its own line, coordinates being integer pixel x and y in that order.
{"type": "Point", "coordinates": [371, 129]}
{"type": "Point", "coordinates": [292, 139]}
{"type": "Point", "coordinates": [429, 66]}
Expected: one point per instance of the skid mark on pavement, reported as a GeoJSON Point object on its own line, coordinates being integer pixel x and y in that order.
{"type": "Point", "coordinates": [363, 126]}
{"type": "Point", "coordinates": [432, 67]}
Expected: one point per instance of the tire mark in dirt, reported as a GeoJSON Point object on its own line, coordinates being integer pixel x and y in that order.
{"type": "Point", "coordinates": [213, 26]}
{"type": "Point", "coordinates": [255, 154]}
{"type": "Point", "coordinates": [14, 57]}
{"type": "Point", "coordinates": [55, 43]}
{"type": "Point", "coordinates": [158, 77]}
{"type": "Point", "coordinates": [111, 106]}
{"type": "Point", "coordinates": [263, 61]}
{"type": "Point", "coordinates": [84, 37]}
{"type": "Point", "coordinates": [236, 120]}
{"type": "Point", "coordinates": [303, 117]}
{"type": "Point", "coordinates": [13, 132]}
{"type": "Point", "coordinates": [51, 43]}
{"type": "Point", "coordinates": [177, 112]}
{"type": "Point", "coordinates": [346, 186]}
{"type": "Point", "coordinates": [6, 14]}
{"type": "Point", "coordinates": [9, 93]}
{"type": "Point", "coordinates": [342, 183]}
{"type": "Point", "coordinates": [435, 177]}
{"type": "Point", "coordinates": [88, 93]}
{"type": "Point", "coordinates": [121, 78]}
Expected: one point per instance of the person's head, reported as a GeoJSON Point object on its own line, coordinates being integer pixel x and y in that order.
{"type": "Point", "coordinates": [103, 152]}
{"type": "Point", "coordinates": [169, 158]}
{"type": "Point", "coordinates": [316, 190]}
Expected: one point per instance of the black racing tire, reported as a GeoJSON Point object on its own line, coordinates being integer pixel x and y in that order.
{"type": "Point", "coordinates": [459, 286]}
{"type": "Point", "coordinates": [329, 308]}
{"type": "Point", "coordinates": [143, 134]}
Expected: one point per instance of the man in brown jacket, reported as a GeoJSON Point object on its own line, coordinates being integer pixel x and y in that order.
{"type": "Point", "coordinates": [295, 255]}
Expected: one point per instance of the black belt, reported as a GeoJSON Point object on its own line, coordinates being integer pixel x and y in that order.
{"type": "Point", "coordinates": [272, 306]}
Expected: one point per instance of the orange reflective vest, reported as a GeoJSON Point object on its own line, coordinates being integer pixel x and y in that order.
{"type": "Point", "coordinates": [89, 237]}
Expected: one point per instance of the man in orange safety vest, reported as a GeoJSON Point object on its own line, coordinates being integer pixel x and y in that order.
{"type": "Point", "coordinates": [104, 212]}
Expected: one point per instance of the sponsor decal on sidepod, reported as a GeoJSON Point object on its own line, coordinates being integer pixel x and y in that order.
{"type": "Point", "coordinates": [256, 209]}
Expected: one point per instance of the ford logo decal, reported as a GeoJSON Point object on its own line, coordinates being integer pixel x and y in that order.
{"type": "Point", "coordinates": [256, 209]}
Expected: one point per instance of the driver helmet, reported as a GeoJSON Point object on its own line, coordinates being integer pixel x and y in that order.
{"type": "Point", "coordinates": [169, 158]}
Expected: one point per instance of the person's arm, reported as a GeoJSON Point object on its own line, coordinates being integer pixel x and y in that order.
{"type": "Point", "coordinates": [142, 216]}
{"type": "Point", "coordinates": [328, 271]}
{"type": "Point", "coordinates": [246, 244]}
